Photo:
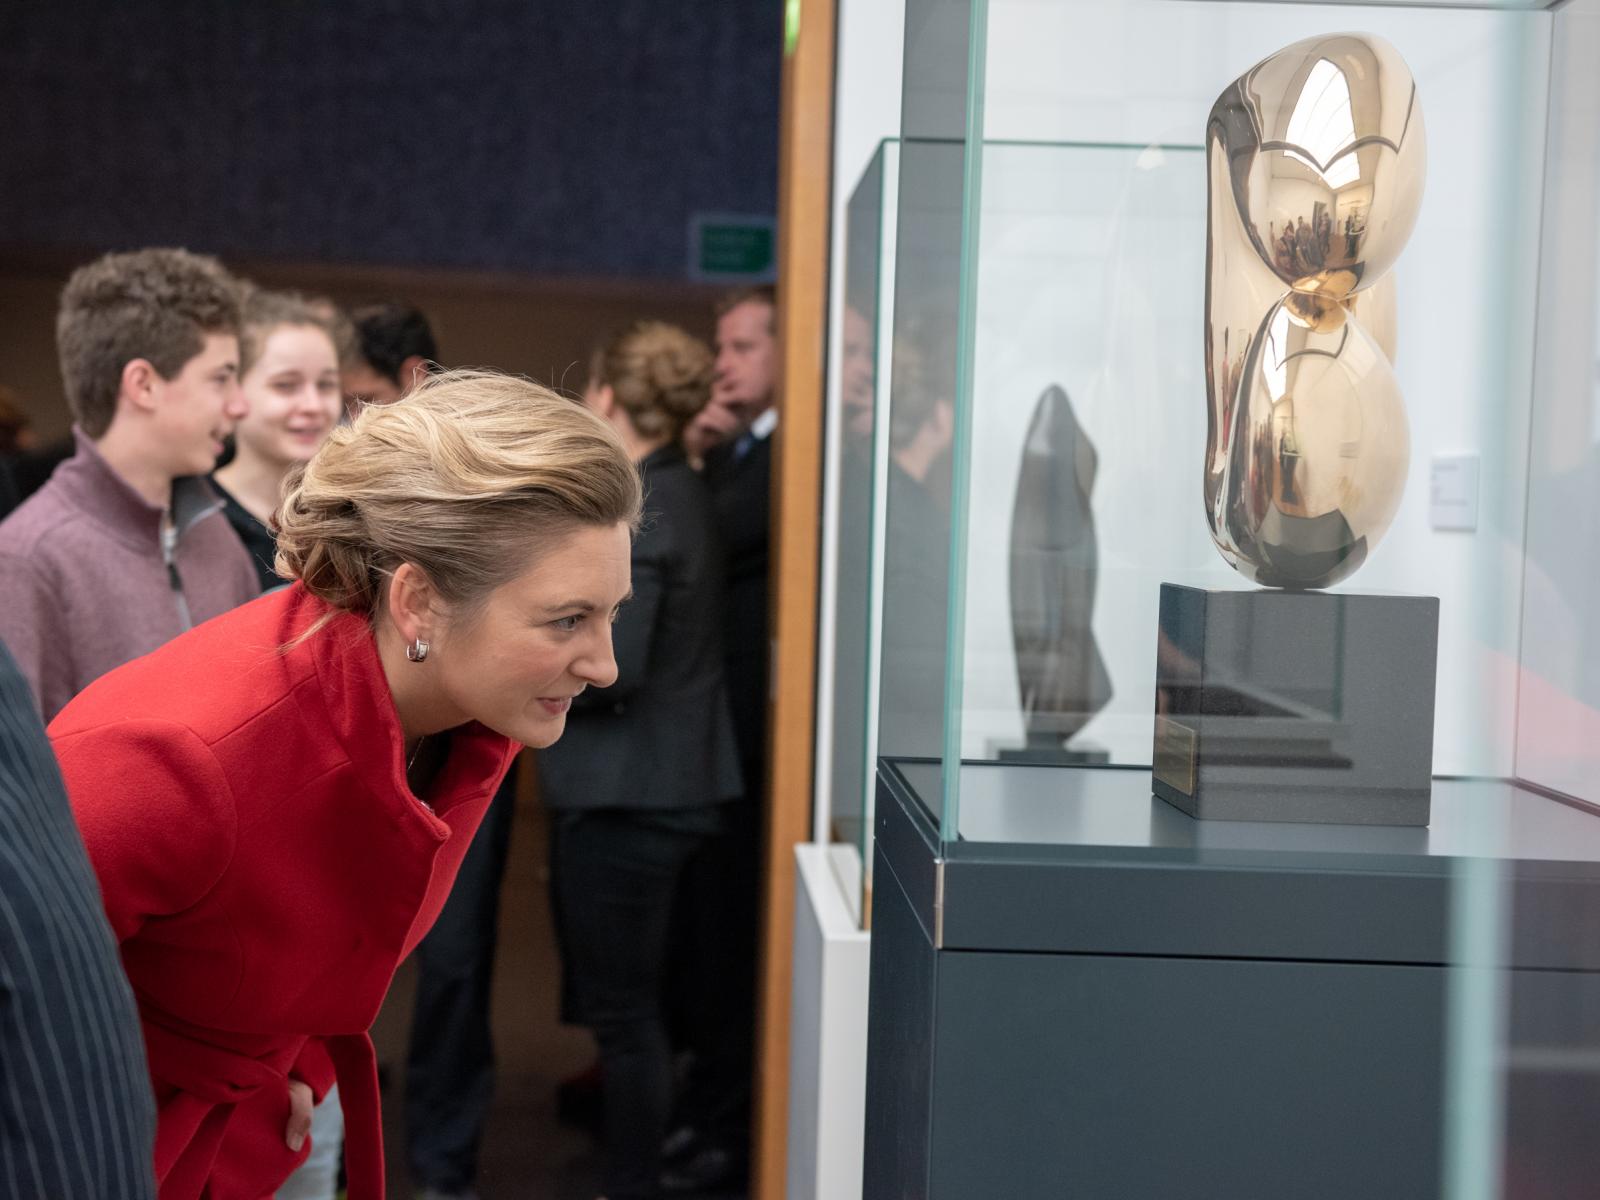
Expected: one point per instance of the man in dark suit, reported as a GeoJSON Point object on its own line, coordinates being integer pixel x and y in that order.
{"type": "Point", "coordinates": [77, 1117]}
{"type": "Point", "coordinates": [733, 437]}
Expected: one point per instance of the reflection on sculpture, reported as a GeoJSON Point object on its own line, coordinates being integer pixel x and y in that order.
{"type": "Point", "coordinates": [1054, 563]}
{"type": "Point", "coordinates": [1315, 160]}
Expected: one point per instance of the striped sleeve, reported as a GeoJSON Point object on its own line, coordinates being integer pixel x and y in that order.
{"type": "Point", "coordinates": [77, 1118]}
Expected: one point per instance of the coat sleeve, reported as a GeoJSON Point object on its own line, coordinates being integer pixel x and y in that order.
{"type": "Point", "coordinates": [314, 1068]}
{"type": "Point", "coordinates": [156, 813]}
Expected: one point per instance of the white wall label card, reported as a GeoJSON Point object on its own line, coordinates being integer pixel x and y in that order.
{"type": "Point", "coordinates": [1453, 500]}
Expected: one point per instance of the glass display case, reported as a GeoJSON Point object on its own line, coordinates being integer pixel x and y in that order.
{"type": "Point", "coordinates": [1049, 378]}
{"type": "Point", "coordinates": [1040, 455]}
{"type": "Point", "coordinates": [851, 706]}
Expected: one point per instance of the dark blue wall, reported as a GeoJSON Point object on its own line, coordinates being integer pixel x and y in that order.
{"type": "Point", "coordinates": [568, 137]}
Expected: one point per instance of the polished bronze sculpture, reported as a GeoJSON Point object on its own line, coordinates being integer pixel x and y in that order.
{"type": "Point", "coordinates": [1315, 160]}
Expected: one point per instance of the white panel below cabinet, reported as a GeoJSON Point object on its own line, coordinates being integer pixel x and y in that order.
{"type": "Point", "coordinates": [827, 1036]}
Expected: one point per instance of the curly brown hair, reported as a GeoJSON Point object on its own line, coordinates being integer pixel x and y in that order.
{"type": "Point", "coordinates": [157, 305]}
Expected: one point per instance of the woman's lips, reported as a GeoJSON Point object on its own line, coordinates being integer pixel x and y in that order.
{"type": "Point", "coordinates": [556, 708]}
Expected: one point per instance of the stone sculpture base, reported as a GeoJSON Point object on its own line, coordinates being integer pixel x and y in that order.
{"type": "Point", "coordinates": [1295, 706]}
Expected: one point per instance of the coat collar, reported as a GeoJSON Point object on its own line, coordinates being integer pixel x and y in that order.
{"type": "Point", "coordinates": [361, 714]}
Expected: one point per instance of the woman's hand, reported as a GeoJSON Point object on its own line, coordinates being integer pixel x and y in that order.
{"type": "Point", "coordinates": [294, 1133]}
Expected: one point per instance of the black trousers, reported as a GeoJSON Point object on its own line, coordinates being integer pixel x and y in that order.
{"type": "Point", "coordinates": [614, 876]}
{"type": "Point", "coordinates": [450, 1063]}
{"type": "Point", "coordinates": [715, 984]}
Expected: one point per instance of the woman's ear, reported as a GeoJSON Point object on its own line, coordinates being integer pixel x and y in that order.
{"type": "Point", "coordinates": [412, 603]}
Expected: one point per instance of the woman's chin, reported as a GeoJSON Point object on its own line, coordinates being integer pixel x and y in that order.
{"type": "Point", "coordinates": [537, 735]}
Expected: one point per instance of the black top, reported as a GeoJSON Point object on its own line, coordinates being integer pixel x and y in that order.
{"type": "Point", "coordinates": [660, 738]}
{"type": "Point", "coordinates": [258, 539]}
{"type": "Point", "coordinates": [9, 496]}
{"type": "Point", "coordinates": [76, 1115]}
{"type": "Point", "coordinates": [741, 485]}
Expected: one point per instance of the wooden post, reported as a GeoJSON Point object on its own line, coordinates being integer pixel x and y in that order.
{"type": "Point", "coordinates": [805, 171]}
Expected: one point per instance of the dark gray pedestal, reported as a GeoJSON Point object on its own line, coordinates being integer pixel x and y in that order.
{"type": "Point", "coordinates": [1094, 995]}
{"type": "Point", "coordinates": [1295, 706]}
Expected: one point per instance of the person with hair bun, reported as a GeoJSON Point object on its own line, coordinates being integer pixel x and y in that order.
{"type": "Point", "coordinates": [640, 782]}
{"type": "Point", "coordinates": [276, 802]}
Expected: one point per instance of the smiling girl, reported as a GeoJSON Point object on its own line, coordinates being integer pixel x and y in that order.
{"type": "Point", "coordinates": [289, 370]}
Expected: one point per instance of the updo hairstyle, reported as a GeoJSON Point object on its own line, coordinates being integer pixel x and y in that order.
{"type": "Point", "coordinates": [660, 375]}
{"type": "Point", "coordinates": [470, 477]}
{"type": "Point", "coordinates": [263, 312]}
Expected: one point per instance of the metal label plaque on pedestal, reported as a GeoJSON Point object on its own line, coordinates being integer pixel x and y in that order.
{"type": "Point", "coordinates": [1295, 706]}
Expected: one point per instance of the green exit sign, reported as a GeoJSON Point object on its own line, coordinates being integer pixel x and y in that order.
{"type": "Point", "coordinates": [733, 248]}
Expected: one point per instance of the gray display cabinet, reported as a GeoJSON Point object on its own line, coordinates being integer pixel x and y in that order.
{"type": "Point", "coordinates": [1091, 994]}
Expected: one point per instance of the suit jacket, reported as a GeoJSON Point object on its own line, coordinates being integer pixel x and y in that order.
{"type": "Point", "coordinates": [266, 868]}
{"type": "Point", "coordinates": [741, 486]}
{"type": "Point", "coordinates": [76, 1118]}
{"type": "Point", "coordinates": [661, 736]}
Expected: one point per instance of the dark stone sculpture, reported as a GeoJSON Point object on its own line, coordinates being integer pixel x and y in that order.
{"type": "Point", "coordinates": [1054, 564]}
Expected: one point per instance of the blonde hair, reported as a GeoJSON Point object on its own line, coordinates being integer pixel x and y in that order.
{"type": "Point", "coordinates": [470, 477]}
{"type": "Point", "coordinates": [660, 375]}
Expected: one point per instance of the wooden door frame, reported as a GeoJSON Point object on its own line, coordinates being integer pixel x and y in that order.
{"type": "Point", "coordinates": [805, 177]}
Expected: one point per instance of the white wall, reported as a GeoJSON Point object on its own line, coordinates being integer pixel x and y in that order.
{"type": "Point", "coordinates": [827, 1037]}
{"type": "Point", "coordinates": [1091, 267]}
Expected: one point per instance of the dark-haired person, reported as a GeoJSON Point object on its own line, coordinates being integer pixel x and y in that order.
{"type": "Point", "coordinates": [126, 547]}
{"type": "Point", "coordinates": [642, 780]}
{"type": "Point", "coordinates": [276, 803]}
{"type": "Point", "coordinates": [394, 351]}
{"type": "Point", "coordinates": [16, 438]}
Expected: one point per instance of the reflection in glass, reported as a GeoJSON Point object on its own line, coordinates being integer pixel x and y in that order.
{"type": "Point", "coordinates": [921, 429]}
{"type": "Point", "coordinates": [853, 599]}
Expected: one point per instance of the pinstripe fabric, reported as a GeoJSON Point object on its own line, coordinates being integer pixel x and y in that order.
{"type": "Point", "coordinates": [77, 1119]}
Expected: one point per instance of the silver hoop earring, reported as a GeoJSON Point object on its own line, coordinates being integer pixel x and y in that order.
{"type": "Point", "coordinates": [417, 651]}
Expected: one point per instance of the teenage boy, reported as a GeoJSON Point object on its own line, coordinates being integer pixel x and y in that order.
{"type": "Point", "coordinates": [126, 546]}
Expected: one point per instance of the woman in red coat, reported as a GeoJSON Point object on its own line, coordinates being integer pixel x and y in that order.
{"type": "Point", "coordinates": [276, 803]}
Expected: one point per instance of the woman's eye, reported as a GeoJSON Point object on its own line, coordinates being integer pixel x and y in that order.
{"type": "Point", "coordinates": [568, 624]}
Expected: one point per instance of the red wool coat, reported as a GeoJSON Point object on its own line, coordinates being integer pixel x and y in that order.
{"type": "Point", "coordinates": [265, 868]}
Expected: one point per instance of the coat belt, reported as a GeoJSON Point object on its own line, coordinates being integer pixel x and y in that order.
{"type": "Point", "coordinates": [225, 1077]}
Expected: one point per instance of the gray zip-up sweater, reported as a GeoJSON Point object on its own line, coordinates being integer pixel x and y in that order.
{"type": "Point", "coordinates": [86, 583]}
